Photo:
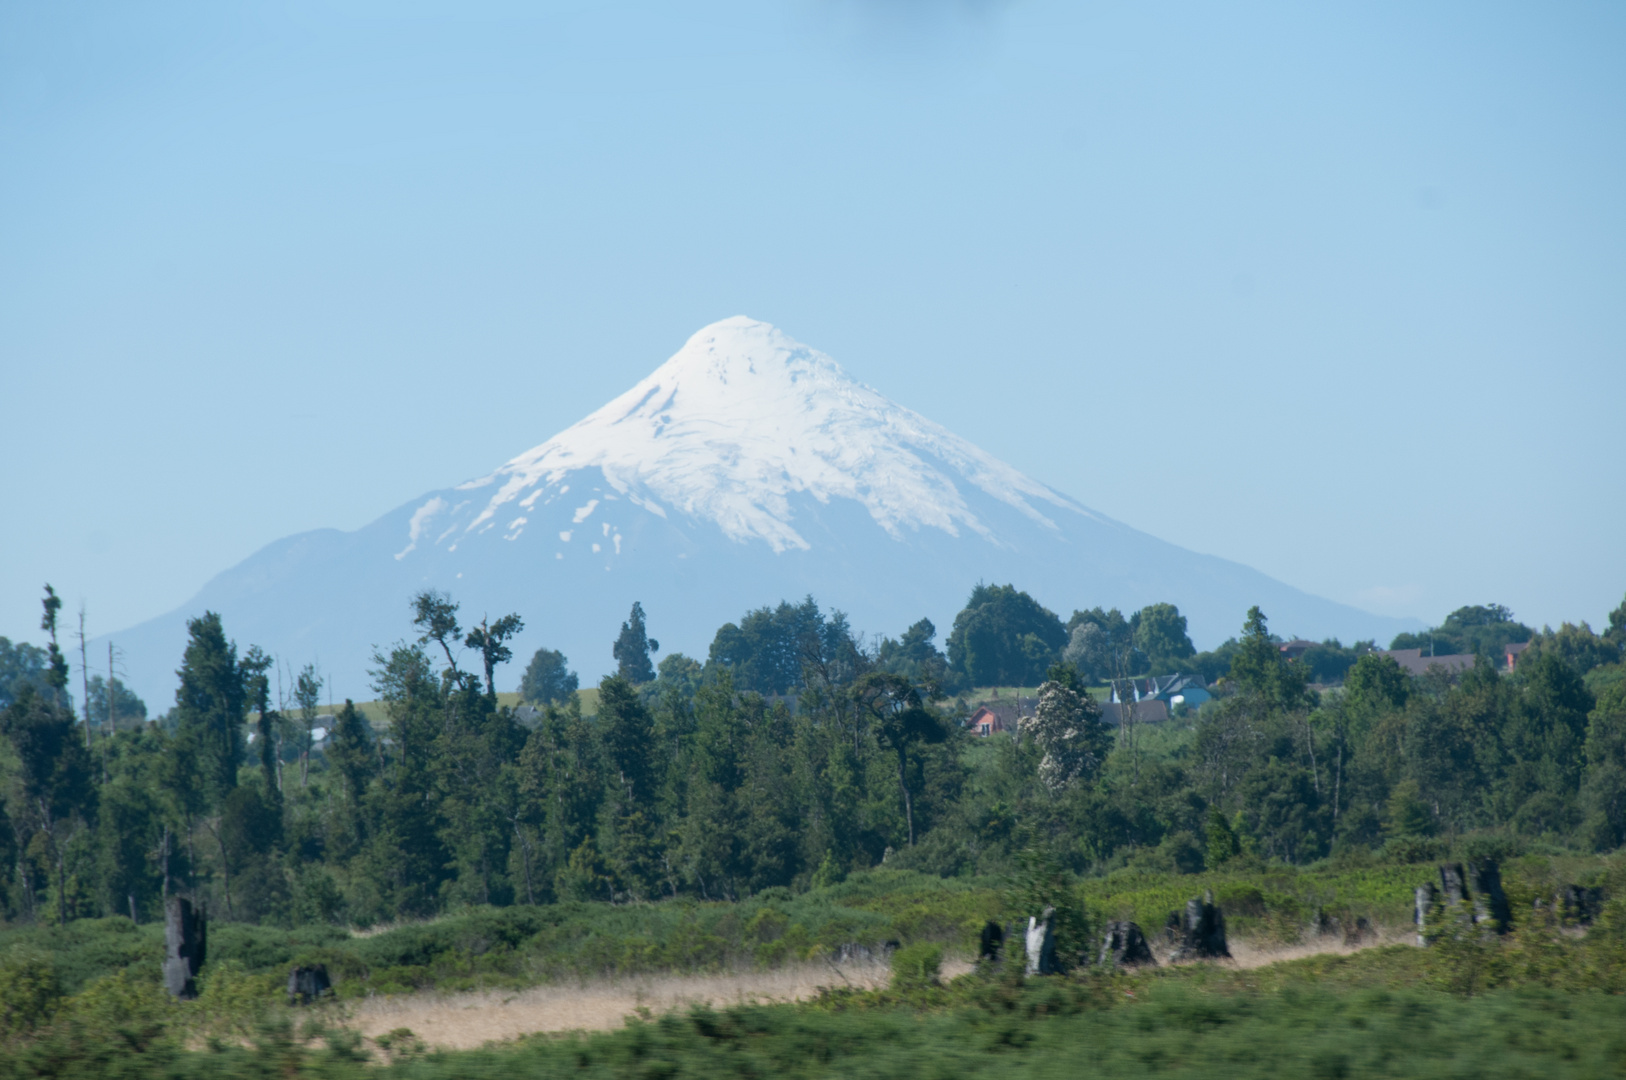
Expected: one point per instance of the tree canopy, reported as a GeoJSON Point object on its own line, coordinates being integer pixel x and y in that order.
{"type": "Point", "coordinates": [1004, 638]}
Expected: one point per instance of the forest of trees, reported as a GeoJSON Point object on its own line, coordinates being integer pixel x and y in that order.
{"type": "Point", "coordinates": [795, 753]}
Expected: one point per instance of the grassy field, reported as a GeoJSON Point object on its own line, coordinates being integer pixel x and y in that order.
{"type": "Point", "coordinates": [1545, 1000]}
{"type": "Point", "coordinates": [1396, 1011]}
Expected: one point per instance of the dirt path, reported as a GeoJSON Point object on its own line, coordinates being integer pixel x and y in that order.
{"type": "Point", "coordinates": [461, 1021]}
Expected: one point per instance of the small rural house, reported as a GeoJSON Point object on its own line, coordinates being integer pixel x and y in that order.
{"type": "Point", "coordinates": [986, 721]}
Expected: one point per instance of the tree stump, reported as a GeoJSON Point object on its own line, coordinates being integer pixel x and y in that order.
{"type": "Point", "coordinates": [1490, 902]}
{"type": "Point", "coordinates": [1202, 931]}
{"type": "Point", "coordinates": [1578, 905]}
{"type": "Point", "coordinates": [1041, 944]}
{"type": "Point", "coordinates": [1125, 946]}
{"type": "Point", "coordinates": [186, 939]}
{"type": "Point", "coordinates": [306, 984]}
{"type": "Point", "coordinates": [1453, 883]}
{"type": "Point", "coordinates": [1424, 897]}
{"type": "Point", "coordinates": [991, 944]}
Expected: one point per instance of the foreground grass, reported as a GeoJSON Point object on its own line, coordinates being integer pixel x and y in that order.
{"type": "Point", "coordinates": [1546, 1000]}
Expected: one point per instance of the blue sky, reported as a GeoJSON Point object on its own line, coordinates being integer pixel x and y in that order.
{"type": "Point", "coordinates": [1333, 290]}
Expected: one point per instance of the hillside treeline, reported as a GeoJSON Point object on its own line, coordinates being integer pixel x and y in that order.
{"type": "Point", "coordinates": [794, 755]}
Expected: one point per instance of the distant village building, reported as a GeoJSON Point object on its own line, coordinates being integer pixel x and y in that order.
{"type": "Point", "coordinates": [1414, 662]}
{"type": "Point", "coordinates": [1149, 711]}
{"type": "Point", "coordinates": [1514, 650]}
{"type": "Point", "coordinates": [1000, 714]}
{"type": "Point", "coordinates": [1171, 690]}
{"type": "Point", "coordinates": [985, 722]}
{"type": "Point", "coordinates": [1297, 648]}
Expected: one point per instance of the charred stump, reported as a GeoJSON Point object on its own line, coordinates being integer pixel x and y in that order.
{"type": "Point", "coordinates": [992, 943]}
{"type": "Point", "coordinates": [1577, 905]}
{"type": "Point", "coordinates": [1125, 946]}
{"type": "Point", "coordinates": [186, 940]}
{"type": "Point", "coordinates": [1490, 902]}
{"type": "Point", "coordinates": [1202, 931]}
{"type": "Point", "coordinates": [306, 984]}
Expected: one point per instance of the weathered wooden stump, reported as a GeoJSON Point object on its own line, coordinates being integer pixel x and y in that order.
{"type": "Point", "coordinates": [186, 940]}
{"type": "Point", "coordinates": [991, 944]}
{"type": "Point", "coordinates": [1041, 944]}
{"type": "Point", "coordinates": [1125, 946]}
{"type": "Point", "coordinates": [1202, 931]}
{"type": "Point", "coordinates": [1424, 897]}
{"type": "Point", "coordinates": [306, 984]}
{"type": "Point", "coordinates": [1578, 905]}
{"type": "Point", "coordinates": [1490, 902]}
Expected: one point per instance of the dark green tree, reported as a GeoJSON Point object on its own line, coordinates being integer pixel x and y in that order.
{"type": "Point", "coordinates": [490, 639]}
{"type": "Point", "coordinates": [1616, 632]}
{"type": "Point", "coordinates": [914, 656]}
{"type": "Point", "coordinates": [548, 679]}
{"type": "Point", "coordinates": [635, 769]}
{"type": "Point", "coordinates": [211, 706]}
{"type": "Point", "coordinates": [1544, 739]}
{"type": "Point", "coordinates": [1259, 669]}
{"type": "Point", "coordinates": [58, 794]}
{"type": "Point", "coordinates": [56, 672]}
{"type": "Point", "coordinates": [125, 709]}
{"type": "Point", "coordinates": [1160, 635]}
{"type": "Point", "coordinates": [308, 696]}
{"type": "Point", "coordinates": [129, 830]}
{"type": "Point", "coordinates": [1004, 637]}
{"type": "Point", "coordinates": [1374, 687]}
{"type": "Point", "coordinates": [1603, 791]}
{"type": "Point", "coordinates": [1578, 646]}
{"type": "Point", "coordinates": [20, 663]}
{"type": "Point", "coordinates": [246, 831]}
{"type": "Point", "coordinates": [1101, 644]}
{"type": "Point", "coordinates": [405, 862]}
{"type": "Point", "coordinates": [256, 667]}
{"type": "Point", "coordinates": [1472, 630]}
{"type": "Point", "coordinates": [902, 722]}
{"type": "Point", "coordinates": [435, 616]}
{"type": "Point", "coordinates": [632, 648]}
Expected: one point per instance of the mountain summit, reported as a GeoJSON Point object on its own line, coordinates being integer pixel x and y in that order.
{"type": "Point", "coordinates": [729, 430]}
{"type": "Point", "coordinates": [746, 469]}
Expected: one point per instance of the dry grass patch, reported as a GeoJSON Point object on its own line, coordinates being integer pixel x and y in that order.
{"type": "Point", "coordinates": [462, 1021]}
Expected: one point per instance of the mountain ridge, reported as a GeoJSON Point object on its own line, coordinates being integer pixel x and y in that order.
{"type": "Point", "coordinates": [746, 469]}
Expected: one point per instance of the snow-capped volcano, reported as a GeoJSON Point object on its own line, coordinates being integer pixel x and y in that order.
{"type": "Point", "coordinates": [746, 469]}
{"type": "Point", "coordinates": [741, 419]}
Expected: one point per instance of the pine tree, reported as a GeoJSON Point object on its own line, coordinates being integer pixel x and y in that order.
{"type": "Point", "coordinates": [210, 705]}
{"type": "Point", "coordinates": [632, 649]}
{"type": "Point", "coordinates": [56, 672]}
{"type": "Point", "coordinates": [256, 666]}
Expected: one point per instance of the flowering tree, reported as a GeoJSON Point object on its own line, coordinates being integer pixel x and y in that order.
{"type": "Point", "coordinates": [1067, 727]}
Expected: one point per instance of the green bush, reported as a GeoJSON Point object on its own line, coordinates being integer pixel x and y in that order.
{"type": "Point", "coordinates": [916, 967]}
{"type": "Point", "coordinates": [29, 991]}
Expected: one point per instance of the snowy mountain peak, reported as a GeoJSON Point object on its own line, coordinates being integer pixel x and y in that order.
{"type": "Point", "coordinates": [741, 421]}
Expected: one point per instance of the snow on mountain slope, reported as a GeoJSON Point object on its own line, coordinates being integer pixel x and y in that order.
{"type": "Point", "coordinates": [746, 469]}
{"type": "Point", "coordinates": [727, 430]}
